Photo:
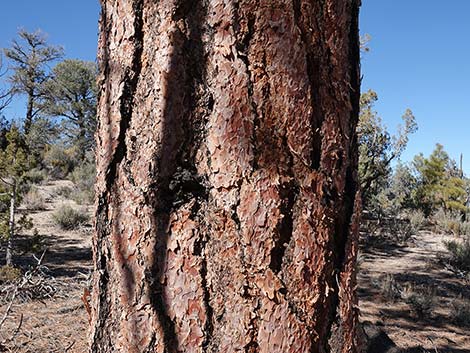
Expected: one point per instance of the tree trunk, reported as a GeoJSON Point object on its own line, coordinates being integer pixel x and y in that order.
{"type": "Point", "coordinates": [11, 226]}
{"type": "Point", "coordinates": [226, 186]}
{"type": "Point", "coordinates": [28, 121]}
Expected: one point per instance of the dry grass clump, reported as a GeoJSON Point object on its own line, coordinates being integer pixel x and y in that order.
{"type": "Point", "coordinates": [421, 300]}
{"type": "Point", "coordinates": [69, 218]}
{"type": "Point", "coordinates": [459, 253]}
{"type": "Point", "coordinates": [9, 273]}
{"type": "Point", "coordinates": [460, 312]}
{"type": "Point", "coordinates": [34, 201]}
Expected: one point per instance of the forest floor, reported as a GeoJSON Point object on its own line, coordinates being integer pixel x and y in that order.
{"type": "Point", "coordinates": [60, 323]}
{"type": "Point", "coordinates": [391, 278]}
{"type": "Point", "coordinates": [410, 293]}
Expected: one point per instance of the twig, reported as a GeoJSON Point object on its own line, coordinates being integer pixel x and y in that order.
{"type": "Point", "coordinates": [70, 346]}
{"type": "Point", "coordinates": [7, 312]}
{"type": "Point", "coordinates": [25, 280]}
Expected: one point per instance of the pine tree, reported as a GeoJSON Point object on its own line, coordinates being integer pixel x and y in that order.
{"type": "Point", "coordinates": [70, 94]}
{"type": "Point", "coordinates": [226, 177]}
{"type": "Point", "coordinates": [440, 183]}
{"type": "Point", "coordinates": [30, 56]}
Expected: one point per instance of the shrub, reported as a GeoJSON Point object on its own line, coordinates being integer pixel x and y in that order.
{"type": "Point", "coordinates": [459, 253]}
{"type": "Point", "coordinates": [449, 222]}
{"type": "Point", "coordinates": [36, 176]}
{"type": "Point", "coordinates": [9, 274]}
{"type": "Point", "coordinates": [69, 218]}
{"type": "Point", "coordinates": [83, 197]}
{"type": "Point", "coordinates": [417, 220]}
{"type": "Point", "coordinates": [460, 312]}
{"type": "Point", "coordinates": [389, 287]}
{"type": "Point", "coordinates": [63, 191]}
{"type": "Point", "coordinates": [84, 179]}
{"type": "Point", "coordinates": [420, 300]}
{"type": "Point", "coordinates": [59, 161]}
{"type": "Point", "coordinates": [401, 230]}
{"type": "Point", "coordinates": [34, 201]}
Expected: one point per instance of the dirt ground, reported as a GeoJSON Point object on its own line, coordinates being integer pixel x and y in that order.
{"type": "Point", "coordinates": [417, 267]}
{"type": "Point", "coordinates": [60, 324]}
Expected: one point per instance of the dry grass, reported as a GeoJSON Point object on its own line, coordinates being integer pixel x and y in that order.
{"type": "Point", "coordinates": [59, 324]}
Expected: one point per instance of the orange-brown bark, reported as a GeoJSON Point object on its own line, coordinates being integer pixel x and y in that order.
{"type": "Point", "coordinates": [225, 216]}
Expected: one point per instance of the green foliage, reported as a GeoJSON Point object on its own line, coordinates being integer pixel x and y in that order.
{"type": "Point", "coordinates": [69, 218]}
{"type": "Point", "coordinates": [440, 184]}
{"type": "Point", "coordinates": [30, 56]}
{"type": "Point", "coordinates": [377, 148]}
{"type": "Point", "coordinates": [35, 176]}
{"type": "Point", "coordinates": [83, 178]}
{"type": "Point", "coordinates": [42, 134]}
{"type": "Point", "coordinates": [14, 164]}
{"type": "Point", "coordinates": [13, 160]}
{"type": "Point", "coordinates": [59, 161]}
{"type": "Point", "coordinates": [71, 95]}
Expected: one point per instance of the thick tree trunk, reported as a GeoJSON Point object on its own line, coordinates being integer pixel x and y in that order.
{"type": "Point", "coordinates": [225, 216]}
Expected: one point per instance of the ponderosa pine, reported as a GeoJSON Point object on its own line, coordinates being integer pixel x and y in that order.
{"type": "Point", "coordinates": [226, 216]}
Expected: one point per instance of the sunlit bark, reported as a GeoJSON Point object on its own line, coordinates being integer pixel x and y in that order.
{"type": "Point", "coordinates": [227, 158]}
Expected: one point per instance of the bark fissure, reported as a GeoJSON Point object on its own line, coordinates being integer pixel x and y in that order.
{"type": "Point", "coordinates": [313, 53]}
{"type": "Point", "coordinates": [130, 80]}
{"type": "Point", "coordinates": [199, 250]}
{"type": "Point", "coordinates": [99, 342]}
{"type": "Point", "coordinates": [288, 193]}
{"type": "Point", "coordinates": [242, 46]}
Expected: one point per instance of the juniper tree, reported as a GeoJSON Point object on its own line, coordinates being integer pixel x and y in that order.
{"type": "Point", "coordinates": [377, 148]}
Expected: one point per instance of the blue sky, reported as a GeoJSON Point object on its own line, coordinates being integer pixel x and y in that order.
{"type": "Point", "coordinates": [419, 59]}
{"type": "Point", "coordinates": [72, 24]}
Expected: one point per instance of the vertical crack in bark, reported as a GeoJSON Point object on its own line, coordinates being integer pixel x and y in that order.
{"type": "Point", "coordinates": [199, 250]}
{"type": "Point", "coordinates": [252, 346]}
{"type": "Point", "coordinates": [288, 193]}
{"type": "Point", "coordinates": [101, 338]}
{"type": "Point", "coordinates": [130, 80]}
{"type": "Point", "coordinates": [343, 330]}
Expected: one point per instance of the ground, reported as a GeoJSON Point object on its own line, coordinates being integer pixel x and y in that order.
{"type": "Point", "coordinates": [417, 268]}
{"type": "Point", "coordinates": [58, 324]}
{"type": "Point", "coordinates": [388, 275]}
